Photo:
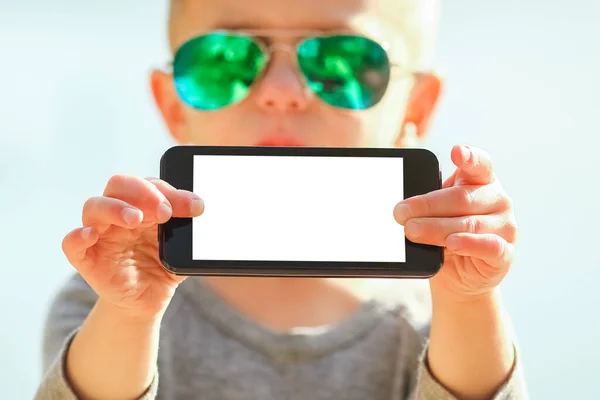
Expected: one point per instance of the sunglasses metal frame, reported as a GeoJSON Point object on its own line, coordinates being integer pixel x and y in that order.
{"type": "Point", "coordinates": [256, 36]}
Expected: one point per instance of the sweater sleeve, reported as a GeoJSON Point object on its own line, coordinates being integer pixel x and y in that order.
{"type": "Point", "coordinates": [428, 388]}
{"type": "Point", "coordinates": [424, 386]}
{"type": "Point", "coordinates": [67, 313]}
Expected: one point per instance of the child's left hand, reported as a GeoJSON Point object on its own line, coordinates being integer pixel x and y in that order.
{"type": "Point", "coordinates": [473, 218]}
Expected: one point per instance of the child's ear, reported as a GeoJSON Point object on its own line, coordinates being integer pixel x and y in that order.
{"type": "Point", "coordinates": [168, 104]}
{"type": "Point", "coordinates": [419, 110]}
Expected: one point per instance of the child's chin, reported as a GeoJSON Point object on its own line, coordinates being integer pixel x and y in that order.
{"type": "Point", "coordinates": [280, 141]}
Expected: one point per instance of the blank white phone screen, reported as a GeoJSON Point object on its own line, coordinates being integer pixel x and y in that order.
{"type": "Point", "coordinates": [298, 208]}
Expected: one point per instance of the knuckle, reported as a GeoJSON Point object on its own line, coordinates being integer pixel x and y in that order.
{"type": "Point", "coordinates": [466, 197]}
{"type": "Point", "coordinates": [501, 249]}
{"type": "Point", "coordinates": [503, 199]}
{"type": "Point", "coordinates": [155, 197]}
{"type": "Point", "coordinates": [470, 225]}
{"type": "Point", "coordinates": [89, 205]}
{"type": "Point", "coordinates": [163, 182]}
{"type": "Point", "coordinates": [481, 154]}
{"type": "Point", "coordinates": [425, 204]}
{"type": "Point", "coordinates": [149, 202]}
{"type": "Point", "coordinates": [163, 186]}
{"type": "Point", "coordinates": [485, 156]}
{"type": "Point", "coordinates": [475, 156]}
{"type": "Point", "coordinates": [482, 159]}
{"type": "Point", "coordinates": [65, 245]}
{"type": "Point", "coordinates": [159, 183]}
{"type": "Point", "coordinates": [118, 180]}
{"type": "Point", "coordinates": [511, 228]}
{"type": "Point", "coordinates": [68, 245]}
{"type": "Point", "coordinates": [506, 202]}
{"type": "Point", "coordinates": [498, 248]}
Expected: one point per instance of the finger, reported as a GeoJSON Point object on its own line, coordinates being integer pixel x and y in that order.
{"type": "Point", "coordinates": [184, 203]}
{"type": "Point", "coordinates": [453, 202]}
{"type": "Point", "coordinates": [451, 179]}
{"type": "Point", "coordinates": [490, 248]}
{"type": "Point", "coordinates": [475, 166]}
{"type": "Point", "coordinates": [435, 231]}
{"type": "Point", "coordinates": [141, 194]}
{"type": "Point", "coordinates": [77, 242]}
{"type": "Point", "coordinates": [106, 211]}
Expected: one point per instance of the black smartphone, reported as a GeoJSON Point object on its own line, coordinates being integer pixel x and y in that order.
{"type": "Point", "coordinates": [297, 211]}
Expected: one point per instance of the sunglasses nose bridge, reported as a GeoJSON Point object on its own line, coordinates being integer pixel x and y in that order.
{"type": "Point", "coordinates": [282, 86]}
{"type": "Point", "coordinates": [285, 48]}
{"type": "Point", "coordinates": [291, 50]}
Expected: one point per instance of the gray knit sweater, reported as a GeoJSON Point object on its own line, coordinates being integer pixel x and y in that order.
{"type": "Point", "coordinates": [209, 351]}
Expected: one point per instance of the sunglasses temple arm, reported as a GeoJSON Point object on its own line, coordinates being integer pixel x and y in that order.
{"type": "Point", "coordinates": [167, 68]}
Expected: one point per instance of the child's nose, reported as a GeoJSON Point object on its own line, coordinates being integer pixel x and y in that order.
{"type": "Point", "coordinates": [281, 88]}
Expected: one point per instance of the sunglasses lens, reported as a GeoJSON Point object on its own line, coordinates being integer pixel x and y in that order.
{"type": "Point", "coordinates": [345, 71]}
{"type": "Point", "coordinates": [216, 70]}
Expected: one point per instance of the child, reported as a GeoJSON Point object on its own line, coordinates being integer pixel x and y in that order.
{"type": "Point", "coordinates": [302, 73]}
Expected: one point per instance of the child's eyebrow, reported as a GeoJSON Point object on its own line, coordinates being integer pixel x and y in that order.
{"type": "Point", "coordinates": [313, 27]}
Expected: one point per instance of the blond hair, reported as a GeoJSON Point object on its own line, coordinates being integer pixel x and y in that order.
{"type": "Point", "coordinates": [415, 20]}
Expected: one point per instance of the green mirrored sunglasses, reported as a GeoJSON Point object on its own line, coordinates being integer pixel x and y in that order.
{"type": "Point", "coordinates": [218, 69]}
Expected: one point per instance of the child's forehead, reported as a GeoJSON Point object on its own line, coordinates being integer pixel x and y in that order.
{"type": "Point", "coordinates": [196, 16]}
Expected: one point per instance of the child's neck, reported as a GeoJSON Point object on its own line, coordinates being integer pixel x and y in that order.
{"type": "Point", "coordinates": [281, 304]}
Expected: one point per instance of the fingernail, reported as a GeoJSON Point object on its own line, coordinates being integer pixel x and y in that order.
{"type": "Point", "coordinates": [414, 229]}
{"type": "Point", "coordinates": [130, 216]}
{"type": "Point", "coordinates": [465, 153]}
{"type": "Point", "coordinates": [197, 206]}
{"type": "Point", "coordinates": [164, 211]}
{"type": "Point", "coordinates": [85, 233]}
{"type": "Point", "coordinates": [402, 212]}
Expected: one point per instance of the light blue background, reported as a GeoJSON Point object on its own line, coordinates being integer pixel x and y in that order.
{"type": "Point", "coordinates": [523, 83]}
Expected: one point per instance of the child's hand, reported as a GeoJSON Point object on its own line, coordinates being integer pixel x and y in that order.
{"type": "Point", "coordinates": [116, 251]}
{"type": "Point", "coordinates": [472, 217]}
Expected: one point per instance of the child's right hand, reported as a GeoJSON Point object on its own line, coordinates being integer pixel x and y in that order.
{"type": "Point", "coordinates": [116, 250]}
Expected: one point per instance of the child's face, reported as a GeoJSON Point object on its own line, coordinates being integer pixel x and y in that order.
{"type": "Point", "coordinates": [280, 109]}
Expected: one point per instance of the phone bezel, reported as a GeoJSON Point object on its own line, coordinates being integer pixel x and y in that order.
{"type": "Point", "coordinates": [175, 236]}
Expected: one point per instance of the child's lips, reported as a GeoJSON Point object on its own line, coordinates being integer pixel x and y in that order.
{"type": "Point", "coordinates": [280, 141]}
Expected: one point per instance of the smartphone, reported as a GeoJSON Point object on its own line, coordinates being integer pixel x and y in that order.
{"type": "Point", "coordinates": [297, 211]}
